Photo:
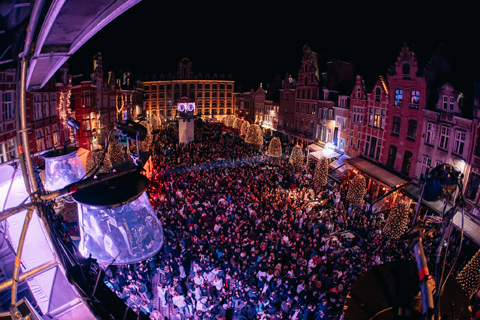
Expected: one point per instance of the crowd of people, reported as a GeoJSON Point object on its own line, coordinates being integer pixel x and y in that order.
{"type": "Point", "coordinates": [248, 236]}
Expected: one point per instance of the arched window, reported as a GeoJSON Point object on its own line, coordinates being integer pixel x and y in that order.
{"type": "Point", "coordinates": [392, 154]}
{"type": "Point", "coordinates": [412, 129]}
{"type": "Point", "coordinates": [406, 71]}
{"type": "Point", "coordinates": [407, 162]}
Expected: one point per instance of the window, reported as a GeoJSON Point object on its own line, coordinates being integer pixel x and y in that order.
{"type": "Point", "coordinates": [46, 107]}
{"type": "Point", "coordinates": [396, 126]}
{"type": "Point", "coordinates": [351, 139]}
{"type": "Point", "coordinates": [472, 188]}
{"type": "Point", "coordinates": [47, 137]}
{"type": "Point", "coordinates": [12, 148]}
{"type": "Point", "coordinates": [407, 162]}
{"type": "Point", "coordinates": [39, 140]}
{"type": "Point", "coordinates": [378, 94]}
{"type": "Point", "coordinates": [37, 111]}
{"type": "Point", "coordinates": [414, 99]}
{"type": "Point", "coordinates": [426, 164]}
{"type": "Point", "coordinates": [329, 135]}
{"type": "Point", "coordinates": [452, 103]}
{"type": "Point", "coordinates": [3, 155]}
{"type": "Point", "coordinates": [430, 136]}
{"type": "Point", "coordinates": [8, 105]}
{"type": "Point", "coordinates": [445, 103]}
{"type": "Point", "coordinates": [344, 123]}
{"type": "Point", "coordinates": [359, 92]}
{"type": "Point", "coordinates": [459, 142]}
{"type": "Point", "coordinates": [406, 71]}
{"type": "Point", "coordinates": [372, 147]}
{"type": "Point", "coordinates": [392, 153]}
{"type": "Point", "coordinates": [412, 129]}
{"type": "Point", "coordinates": [444, 136]}
{"type": "Point", "coordinates": [398, 97]}
{"type": "Point", "coordinates": [376, 119]}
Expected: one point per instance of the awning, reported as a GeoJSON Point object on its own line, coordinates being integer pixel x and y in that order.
{"type": "Point", "coordinates": [319, 154]}
{"type": "Point", "coordinates": [470, 226]}
{"type": "Point", "coordinates": [413, 192]}
{"type": "Point", "coordinates": [339, 163]}
{"type": "Point", "coordinates": [375, 171]}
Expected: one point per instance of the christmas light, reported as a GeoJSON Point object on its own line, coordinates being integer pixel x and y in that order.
{"type": "Point", "coordinates": [115, 152]}
{"type": "Point", "coordinates": [469, 277]}
{"type": "Point", "coordinates": [94, 159]}
{"type": "Point", "coordinates": [356, 190]}
{"type": "Point", "coordinates": [397, 221]}
{"type": "Point", "coordinates": [275, 148]}
{"type": "Point", "coordinates": [296, 157]}
{"type": "Point", "coordinates": [147, 142]}
{"type": "Point", "coordinates": [244, 129]}
{"type": "Point", "coordinates": [230, 120]}
{"type": "Point", "coordinates": [254, 135]}
{"type": "Point", "coordinates": [237, 124]}
{"type": "Point", "coordinates": [321, 173]}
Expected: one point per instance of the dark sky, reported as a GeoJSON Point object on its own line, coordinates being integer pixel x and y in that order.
{"type": "Point", "coordinates": [256, 40]}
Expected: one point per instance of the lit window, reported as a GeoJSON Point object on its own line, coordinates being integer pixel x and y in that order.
{"type": "Point", "coordinates": [398, 97]}
{"type": "Point", "coordinates": [414, 99]}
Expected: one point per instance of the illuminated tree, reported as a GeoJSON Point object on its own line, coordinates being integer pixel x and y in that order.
{"type": "Point", "coordinates": [98, 158]}
{"type": "Point", "coordinates": [244, 129]}
{"type": "Point", "coordinates": [147, 142]}
{"type": "Point", "coordinates": [254, 135]}
{"type": "Point", "coordinates": [397, 221]}
{"type": "Point", "coordinates": [275, 148]}
{"type": "Point", "coordinates": [296, 157]}
{"type": "Point", "coordinates": [237, 124]}
{"type": "Point", "coordinates": [115, 153]}
{"type": "Point", "coordinates": [320, 176]}
{"type": "Point", "coordinates": [356, 190]}
{"type": "Point", "coordinates": [469, 277]}
{"type": "Point", "coordinates": [230, 120]}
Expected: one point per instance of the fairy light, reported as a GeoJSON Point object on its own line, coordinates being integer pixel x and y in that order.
{"type": "Point", "coordinates": [94, 159]}
{"type": "Point", "coordinates": [244, 129]}
{"type": "Point", "coordinates": [296, 157]}
{"type": "Point", "coordinates": [254, 135]}
{"type": "Point", "coordinates": [230, 120]}
{"type": "Point", "coordinates": [237, 124]}
{"type": "Point", "coordinates": [469, 277]}
{"type": "Point", "coordinates": [397, 221]}
{"type": "Point", "coordinates": [356, 190]}
{"type": "Point", "coordinates": [275, 148]}
{"type": "Point", "coordinates": [320, 176]}
{"type": "Point", "coordinates": [115, 152]}
{"type": "Point", "coordinates": [147, 142]}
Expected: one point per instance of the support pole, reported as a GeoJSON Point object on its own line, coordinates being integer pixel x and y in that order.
{"type": "Point", "coordinates": [424, 277]}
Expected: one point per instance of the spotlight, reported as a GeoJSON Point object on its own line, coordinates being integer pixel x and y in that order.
{"type": "Point", "coordinates": [131, 130]}
{"type": "Point", "coordinates": [440, 182]}
{"type": "Point", "coordinates": [72, 123]}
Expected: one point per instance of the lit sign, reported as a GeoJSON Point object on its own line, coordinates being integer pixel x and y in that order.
{"type": "Point", "coordinates": [186, 107]}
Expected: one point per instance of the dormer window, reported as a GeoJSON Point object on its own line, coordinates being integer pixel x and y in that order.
{"type": "Point", "coordinates": [359, 91]}
{"type": "Point", "coordinates": [406, 71]}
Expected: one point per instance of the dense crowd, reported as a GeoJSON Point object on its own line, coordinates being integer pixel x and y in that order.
{"type": "Point", "coordinates": [248, 236]}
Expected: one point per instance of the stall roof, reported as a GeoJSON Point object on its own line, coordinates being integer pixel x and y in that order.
{"type": "Point", "coordinates": [414, 192]}
{"type": "Point", "coordinates": [470, 227]}
{"type": "Point", "coordinates": [375, 171]}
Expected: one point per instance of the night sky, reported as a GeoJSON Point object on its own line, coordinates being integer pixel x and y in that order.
{"type": "Point", "coordinates": [256, 40]}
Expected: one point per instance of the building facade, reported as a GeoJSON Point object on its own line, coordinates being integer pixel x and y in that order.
{"type": "Point", "coordinates": [213, 95]}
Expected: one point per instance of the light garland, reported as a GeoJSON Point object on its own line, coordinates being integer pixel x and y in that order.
{"type": "Point", "coordinates": [296, 157]}
{"type": "Point", "coordinates": [356, 190]}
{"type": "Point", "coordinates": [230, 120]}
{"type": "Point", "coordinates": [115, 152]}
{"type": "Point", "coordinates": [64, 109]}
{"type": "Point", "coordinates": [469, 277]}
{"type": "Point", "coordinates": [237, 124]}
{"type": "Point", "coordinates": [93, 160]}
{"type": "Point", "coordinates": [320, 176]}
{"type": "Point", "coordinates": [275, 148]}
{"type": "Point", "coordinates": [397, 221]}
{"type": "Point", "coordinates": [147, 142]}
{"type": "Point", "coordinates": [254, 135]}
{"type": "Point", "coordinates": [244, 129]}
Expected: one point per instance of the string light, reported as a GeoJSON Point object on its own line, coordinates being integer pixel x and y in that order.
{"type": "Point", "coordinates": [254, 135]}
{"type": "Point", "coordinates": [147, 142]}
{"type": "Point", "coordinates": [230, 120]}
{"type": "Point", "coordinates": [275, 148]}
{"type": "Point", "coordinates": [469, 277]}
{"type": "Point", "coordinates": [94, 159]}
{"type": "Point", "coordinates": [321, 173]}
{"type": "Point", "coordinates": [244, 129]}
{"type": "Point", "coordinates": [237, 124]}
{"type": "Point", "coordinates": [115, 152]}
{"type": "Point", "coordinates": [397, 221]}
{"type": "Point", "coordinates": [356, 190]}
{"type": "Point", "coordinates": [296, 157]}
